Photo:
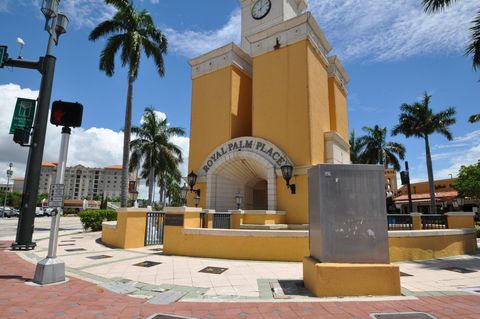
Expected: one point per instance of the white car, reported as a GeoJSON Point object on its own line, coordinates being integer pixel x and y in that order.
{"type": "Point", "coordinates": [47, 211]}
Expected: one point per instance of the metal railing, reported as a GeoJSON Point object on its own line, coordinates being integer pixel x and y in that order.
{"type": "Point", "coordinates": [221, 220]}
{"type": "Point", "coordinates": [154, 228]}
{"type": "Point", "coordinates": [434, 221]}
{"type": "Point", "coordinates": [203, 220]}
{"type": "Point", "coordinates": [399, 222]}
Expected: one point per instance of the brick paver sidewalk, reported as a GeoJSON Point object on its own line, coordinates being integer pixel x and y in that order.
{"type": "Point", "coordinates": [81, 299]}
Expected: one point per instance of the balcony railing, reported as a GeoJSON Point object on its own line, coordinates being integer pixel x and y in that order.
{"type": "Point", "coordinates": [399, 222]}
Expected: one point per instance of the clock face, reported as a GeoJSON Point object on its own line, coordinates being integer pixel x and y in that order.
{"type": "Point", "coordinates": [261, 8]}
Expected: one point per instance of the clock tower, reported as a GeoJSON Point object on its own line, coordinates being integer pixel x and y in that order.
{"type": "Point", "coordinates": [260, 15]}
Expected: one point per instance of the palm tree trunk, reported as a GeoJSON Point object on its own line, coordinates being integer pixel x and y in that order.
{"type": "Point", "coordinates": [151, 181]}
{"type": "Point", "coordinates": [126, 142]}
{"type": "Point", "coordinates": [431, 183]}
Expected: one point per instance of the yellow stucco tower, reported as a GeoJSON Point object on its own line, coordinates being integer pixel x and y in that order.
{"type": "Point", "coordinates": [279, 99]}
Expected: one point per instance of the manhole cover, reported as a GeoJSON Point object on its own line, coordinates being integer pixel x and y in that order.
{"type": "Point", "coordinates": [75, 249]}
{"type": "Point", "coordinates": [213, 270]}
{"type": "Point", "coordinates": [402, 315]}
{"type": "Point", "coordinates": [403, 274]}
{"type": "Point", "coordinates": [99, 257]}
{"type": "Point", "coordinates": [459, 270]}
{"type": "Point", "coordinates": [147, 264]}
{"type": "Point", "coordinates": [164, 316]}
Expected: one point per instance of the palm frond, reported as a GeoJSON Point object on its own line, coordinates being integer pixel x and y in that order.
{"type": "Point", "coordinates": [474, 45]}
{"type": "Point", "coordinates": [474, 118]}
{"type": "Point", "coordinates": [107, 57]}
{"type": "Point", "coordinates": [431, 6]}
{"type": "Point", "coordinates": [104, 28]}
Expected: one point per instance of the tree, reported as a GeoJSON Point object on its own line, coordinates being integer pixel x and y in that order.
{"type": "Point", "coordinates": [378, 151]}
{"type": "Point", "coordinates": [355, 148]}
{"type": "Point", "coordinates": [432, 6]}
{"type": "Point", "coordinates": [418, 120]}
{"type": "Point", "coordinates": [153, 150]}
{"type": "Point", "coordinates": [131, 31]}
{"type": "Point", "coordinates": [474, 118]}
{"type": "Point", "coordinates": [468, 181]}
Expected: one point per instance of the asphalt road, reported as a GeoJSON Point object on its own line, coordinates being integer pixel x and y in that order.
{"type": "Point", "coordinates": [8, 226]}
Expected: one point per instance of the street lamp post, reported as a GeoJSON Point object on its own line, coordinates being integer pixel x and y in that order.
{"type": "Point", "coordinates": [9, 175]}
{"type": "Point", "coordinates": [56, 24]}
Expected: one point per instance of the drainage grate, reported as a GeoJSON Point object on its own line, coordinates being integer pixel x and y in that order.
{"type": "Point", "coordinates": [402, 315]}
{"type": "Point", "coordinates": [404, 274]}
{"type": "Point", "coordinates": [99, 257]}
{"type": "Point", "coordinates": [63, 245]}
{"type": "Point", "coordinates": [459, 270]}
{"type": "Point", "coordinates": [156, 249]}
{"type": "Point", "coordinates": [76, 237]}
{"type": "Point", "coordinates": [75, 249]}
{"type": "Point", "coordinates": [213, 270]}
{"type": "Point", "coordinates": [68, 241]}
{"type": "Point", "coordinates": [165, 316]}
{"type": "Point", "coordinates": [147, 264]}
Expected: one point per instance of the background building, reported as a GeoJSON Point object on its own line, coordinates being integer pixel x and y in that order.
{"type": "Point", "coordinates": [83, 182]}
{"type": "Point", "coordinates": [391, 180]}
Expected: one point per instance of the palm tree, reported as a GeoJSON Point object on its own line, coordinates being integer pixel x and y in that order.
{"type": "Point", "coordinates": [153, 147]}
{"type": "Point", "coordinates": [474, 118]}
{"type": "Point", "coordinates": [432, 6]}
{"type": "Point", "coordinates": [418, 120]}
{"type": "Point", "coordinates": [378, 150]}
{"type": "Point", "coordinates": [131, 31]}
{"type": "Point", "coordinates": [355, 148]}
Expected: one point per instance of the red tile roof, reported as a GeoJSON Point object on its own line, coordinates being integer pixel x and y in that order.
{"type": "Point", "coordinates": [49, 164]}
{"type": "Point", "coordinates": [426, 196]}
{"type": "Point", "coordinates": [117, 167]}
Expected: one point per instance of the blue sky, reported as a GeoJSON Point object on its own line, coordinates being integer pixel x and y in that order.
{"type": "Point", "coordinates": [392, 53]}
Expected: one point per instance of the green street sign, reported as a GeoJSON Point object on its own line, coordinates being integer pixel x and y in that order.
{"type": "Point", "coordinates": [23, 115]}
{"type": "Point", "coordinates": [3, 51]}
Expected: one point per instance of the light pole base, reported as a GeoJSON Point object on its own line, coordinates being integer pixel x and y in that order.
{"type": "Point", "coordinates": [16, 246]}
{"type": "Point", "coordinates": [49, 271]}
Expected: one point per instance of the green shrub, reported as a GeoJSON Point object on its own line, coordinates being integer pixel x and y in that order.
{"type": "Point", "coordinates": [477, 228]}
{"type": "Point", "coordinates": [93, 218]}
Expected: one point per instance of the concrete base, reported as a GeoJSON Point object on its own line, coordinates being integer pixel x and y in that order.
{"type": "Point", "coordinates": [342, 280]}
{"type": "Point", "coordinates": [49, 271]}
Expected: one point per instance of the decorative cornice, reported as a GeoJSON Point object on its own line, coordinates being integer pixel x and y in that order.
{"type": "Point", "coordinates": [289, 32]}
{"type": "Point", "coordinates": [228, 55]}
{"type": "Point", "coordinates": [336, 70]}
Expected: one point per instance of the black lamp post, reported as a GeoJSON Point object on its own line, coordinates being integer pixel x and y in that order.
{"type": "Point", "coordinates": [192, 180]}
{"type": "Point", "coordinates": [287, 172]}
{"type": "Point", "coordinates": [183, 193]}
{"type": "Point", "coordinates": [196, 200]}
{"type": "Point", "coordinates": [238, 200]}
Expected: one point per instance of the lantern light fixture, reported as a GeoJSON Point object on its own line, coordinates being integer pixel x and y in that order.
{"type": "Point", "coordinates": [287, 172]}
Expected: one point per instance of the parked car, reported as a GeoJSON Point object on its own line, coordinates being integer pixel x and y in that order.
{"type": "Point", "coordinates": [39, 211]}
{"type": "Point", "coordinates": [9, 212]}
{"type": "Point", "coordinates": [47, 211]}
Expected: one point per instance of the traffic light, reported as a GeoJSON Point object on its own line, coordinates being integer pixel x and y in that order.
{"type": "Point", "coordinates": [21, 136]}
{"type": "Point", "coordinates": [66, 114]}
{"type": "Point", "coordinates": [404, 177]}
{"type": "Point", "coordinates": [3, 55]}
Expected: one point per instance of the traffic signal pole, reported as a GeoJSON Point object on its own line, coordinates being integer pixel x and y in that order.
{"type": "Point", "coordinates": [51, 269]}
{"type": "Point", "coordinates": [25, 227]}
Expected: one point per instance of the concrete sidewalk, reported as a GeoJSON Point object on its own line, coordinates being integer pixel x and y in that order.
{"type": "Point", "coordinates": [137, 283]}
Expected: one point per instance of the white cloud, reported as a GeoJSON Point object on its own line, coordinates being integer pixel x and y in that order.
{"type": "Point", "coordinates": [86, 13]}
{"type": "Point", "coordinates": [372, 30]}
{"type": "Point", "coordinates": [463, 150]}
{"type": "Point", "coordinates": [92, 147]}
{"type": "Point", "coordinates": [192, 43]}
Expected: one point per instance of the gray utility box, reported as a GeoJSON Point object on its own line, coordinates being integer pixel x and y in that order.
{"type": "Point", "coordinates": [347, 212]}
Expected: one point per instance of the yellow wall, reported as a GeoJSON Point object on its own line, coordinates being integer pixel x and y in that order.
{"type": "Point", "coordinates": [319, 110]}
{"type": "Point", "coordinates": [422, 248]}
{"type": "Point", "coordinates": [455, 222]}
{"type": "Point", "coordinates": [334, 280]}
{"type": "Point", "coordinates": [221, 110]}
{"type": "Point", "coordinates": [130, 230]}
{"type": "Point", "coordinates": [296, 205]}
{"type": "Point", "coordinates": [441, 185]}
{"type": "Point", "coordinates": [280, 101]}
{"type": "Point", "coordinates": [232, 247]}
{"type": "Point", "coordinates": [338, 106]}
